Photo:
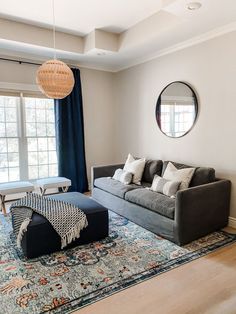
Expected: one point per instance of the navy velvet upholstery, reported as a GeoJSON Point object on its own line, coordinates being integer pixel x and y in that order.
{"type": "Point", "coordinates": [41, 238]}
{"type": "Point", "coordinates": [70, 137]}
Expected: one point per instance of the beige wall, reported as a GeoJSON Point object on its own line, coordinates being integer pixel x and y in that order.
{"type": "Point", "coordinates": [210, 68]}
{"type": "Point", "coordinates": [98, 117]}
{"type": "Point", "coordinates": [98, 112]}
{"type": "Point", "coordinates": [119, 109]}
{"type": "Point", "coordinates": [11, 72]}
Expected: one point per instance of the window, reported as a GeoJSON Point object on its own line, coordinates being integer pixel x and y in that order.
{"type": "Point", "coordinates": [40, 133]}
{"type": "Point", "coordinates": [9, 139]}
{"type": "Point", "coordinates": [27, 138]}
{"type": "Point", "coordinates": [177, 117]}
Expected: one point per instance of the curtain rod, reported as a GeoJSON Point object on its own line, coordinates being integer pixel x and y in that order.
{"type": "Point", "coordinates": [20, 61]}
{"type": "Point", "coordinates": [25, 62]}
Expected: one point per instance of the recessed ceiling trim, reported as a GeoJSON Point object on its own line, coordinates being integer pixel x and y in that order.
{"type": "Point", "coordinates": [183, 45]}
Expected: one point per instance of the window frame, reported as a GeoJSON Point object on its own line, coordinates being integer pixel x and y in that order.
{"type": "Point", "coordinates": [22, 136]}
{"type": "Point", "coordinates": [174, 116]}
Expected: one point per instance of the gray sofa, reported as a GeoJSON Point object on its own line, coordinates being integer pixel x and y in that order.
{"type": "Point", "coordinates": [195, 212]}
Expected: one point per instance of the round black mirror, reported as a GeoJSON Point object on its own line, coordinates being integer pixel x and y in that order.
{"type": "Point", "coordinates": [176, 109]}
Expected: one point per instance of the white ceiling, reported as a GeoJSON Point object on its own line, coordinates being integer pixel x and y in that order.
{"type": "Point", "coordinates": [149, 28]}
{"type": "Point", "coordinates": [81, 16]}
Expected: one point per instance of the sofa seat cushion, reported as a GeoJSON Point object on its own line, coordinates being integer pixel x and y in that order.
{"type": "Point", "coordinates": [113, 186]}
{"type": "Point", "coordinates": [154, 201]}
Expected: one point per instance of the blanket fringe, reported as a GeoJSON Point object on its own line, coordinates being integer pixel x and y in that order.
{"type": "Point", "coordinates": [23, 229]}
{"type": "Point", "coordinates": [74, 233]}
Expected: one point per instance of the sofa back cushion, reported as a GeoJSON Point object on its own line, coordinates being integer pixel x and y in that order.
{"type": "Point", "coordinates": [151, 168]}
{"type": "Point", "coordinates": [202, 175]}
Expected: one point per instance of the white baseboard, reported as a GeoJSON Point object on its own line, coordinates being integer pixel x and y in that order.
{"type": "Point", "coordinates": [232, 222]}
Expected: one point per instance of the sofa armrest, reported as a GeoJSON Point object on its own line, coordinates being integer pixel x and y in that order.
{"type": "Point", "coordinates": [201, 210]}
{"type": "Point", "coordinates": [103, 171]}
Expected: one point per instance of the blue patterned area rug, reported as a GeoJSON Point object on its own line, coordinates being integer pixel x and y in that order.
{"type": "Point", "coordinates": [65, 281]}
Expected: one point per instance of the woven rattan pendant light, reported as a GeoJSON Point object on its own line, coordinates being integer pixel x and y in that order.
{"type": "Point", "coordinates": [54, 78]}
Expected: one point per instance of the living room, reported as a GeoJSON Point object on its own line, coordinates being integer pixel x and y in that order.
{"type": "Point", "coordinates": [123, 58]}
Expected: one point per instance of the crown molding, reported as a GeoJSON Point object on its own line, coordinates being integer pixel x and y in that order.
{"type": "Point", "coordinates": [183, 45]}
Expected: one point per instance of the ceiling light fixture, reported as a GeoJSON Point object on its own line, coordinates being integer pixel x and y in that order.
{"type": "Point", "coordinates": [194, 6]}
{"type": "Point", "coordinates": [101, 53]}
{"type": "Point", "coordinates": [54, 78]}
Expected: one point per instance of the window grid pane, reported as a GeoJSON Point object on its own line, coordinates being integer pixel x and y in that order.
{"type": "Point", "coordinates": [8, 116]}
{"type": "Point", "coordinates": [39, 139]}
{"type": "Point", "coordinates": [9, 160]}
{"type": "Point", "coordinates": [181, 117]}
{"type": "Point", "coordinates": [39, 114]}
{"type": "Point", "coordinates": [41, 143]}
{"type": "Point", "coordinates": [9, 139]}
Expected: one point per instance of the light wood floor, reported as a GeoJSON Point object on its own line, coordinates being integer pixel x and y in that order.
{"type": "Point", "coordinates": [204, 286]}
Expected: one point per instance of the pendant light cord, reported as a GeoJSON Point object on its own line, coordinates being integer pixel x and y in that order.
{"type": "Point", "coordinates": [54, 30]}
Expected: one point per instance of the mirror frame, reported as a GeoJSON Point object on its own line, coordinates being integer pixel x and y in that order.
{"type": "Point", "coordinates": [158, 105]}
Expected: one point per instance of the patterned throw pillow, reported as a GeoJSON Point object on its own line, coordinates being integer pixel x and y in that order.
{"type": "Point", "coordinates": [184, 175]}
{"type": "Point", "coordinates": [136, 167]}
{"type": "Point", "coordinates": [164, 186]}
{"type": "Point", "coordinates": [123, 176]}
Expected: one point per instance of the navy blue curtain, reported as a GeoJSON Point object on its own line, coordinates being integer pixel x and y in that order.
{"type": "Point", "coordinates": [70, 137]}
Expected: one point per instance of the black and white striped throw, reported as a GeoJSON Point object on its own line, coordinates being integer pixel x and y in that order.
{"type": "Point", "coordinates": [67, 219]}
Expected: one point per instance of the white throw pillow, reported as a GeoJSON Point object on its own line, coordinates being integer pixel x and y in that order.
{"type": "Point", "coordinates": [116, 175]}
{"type": "Point", "coordinates": [184, 175]}
{"type": "Point", "coordinates": [136, 167]}
{"type": "Point", "coordinates": [164, 186]}
{"type": "Point", "coordinates": [123, 176]}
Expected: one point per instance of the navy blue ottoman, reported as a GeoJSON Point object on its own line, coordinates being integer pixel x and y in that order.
{"type": "Point", "coordinates": [41, 238]}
